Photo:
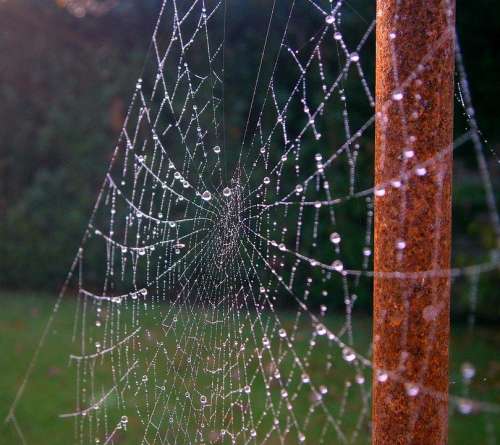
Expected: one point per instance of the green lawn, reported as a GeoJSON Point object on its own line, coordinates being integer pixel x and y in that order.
{"type": "Point", "coordinates": [51, 389]}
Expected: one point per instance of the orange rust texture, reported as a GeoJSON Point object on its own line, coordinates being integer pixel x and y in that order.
{"type": "Point", "coordinates": [415, 58]}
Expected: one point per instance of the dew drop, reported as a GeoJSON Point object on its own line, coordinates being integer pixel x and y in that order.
{"type": "Point", "coordinates": [338, 266]}
{"type": "Point", "coordinates": [408, 154]}
{"type": "Point", "coordinates": [226, 192]}
{"type": "Point", "coordinates": [468, 371]}
{"type": "Point", "coordinates": [382, 376]}
{"type": "Point", "coordinates": [320, 330]}
{"type": "Point", "coordinates": [397, 96]}
{"type": "Point", "coordinates": [335, 238]}
{"type": "Point", "coordinates": [329, 19]}
{"type": "Point", "coordinates": [411, 389]}
{"type": "Point", "coordinates": [465, 406]}
{"type": "Point", "coordinates": [354, 57]}
{"type": "Point", "coordinates": [400, 244]}
{"type": "Point", "coordinates": [348, 354]}
{"type": "Point", "coordinates": [360, 379]}
{"type": "Point", "coordinates": [206, 195]}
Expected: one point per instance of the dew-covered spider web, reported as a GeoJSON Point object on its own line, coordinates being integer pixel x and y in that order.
{"type": "Point", "coordinates": [218, 279]}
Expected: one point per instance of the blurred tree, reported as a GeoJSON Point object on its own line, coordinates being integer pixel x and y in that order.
{"type": "Point", "coordinates": [64, 87]}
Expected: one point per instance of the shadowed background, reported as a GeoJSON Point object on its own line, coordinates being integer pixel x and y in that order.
{"type": "Point", "coordinates": [66, 76]}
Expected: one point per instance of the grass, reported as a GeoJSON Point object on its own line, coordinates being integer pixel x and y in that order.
{"type": "Point", "coordinates": [51, 388]}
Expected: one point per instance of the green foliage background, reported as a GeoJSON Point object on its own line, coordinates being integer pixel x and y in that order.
{"type": "Point", "coordinates": [64, 87]}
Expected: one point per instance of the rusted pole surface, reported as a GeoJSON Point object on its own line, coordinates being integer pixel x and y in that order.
{"type": "Point", "coordinates": [413, 166]}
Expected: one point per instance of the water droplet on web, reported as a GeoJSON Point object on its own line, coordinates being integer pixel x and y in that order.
{"type": "Point", "coordinates": [253, 433]}
{"type": "Point", "coordinates": [267, 180]}
{"type": "Point", "coordinates": [320, 330]}
{"type": "Point", "coordinates": [306, 378]}
{"type": "Point", "coordinates": [124, 419]}
{"type": "Point", "coordinates": [400, 244]}
{"type": "Point", "coordinates": [360, 379]}
{"type": "Point", "coordinates": [354, 57]}
{"type": "Point", "coordinates": [206, 195]}
{"type": "Point", "coordinates": [330, 19]}
{"type": "Point", "coordinates": [411, 389]}
{"type": "Point", "coordinates": [465, 406]}
{"type": "Point", "coordinates": [282, 333]}
{"type": "Point", "coordinates": [144, 378]}
{"type": "Point", "coordinates": [217, 149]}
{"type": "Point", "coordinates": [323, 389]}
{"type": "Point", "coordinates": [348, 354]}
{"type": "Point", "coordinates": [382, 376]}
{"type": "Point", "coordinates": [397, 96]}
{"type": "Point", "coordinates": [337, 36]}
{"type": "Point", "coordinates": [226, 192]}
{"type": "Point", "coordinates": [335, 238]}
{"type": "Point", "coordinates": [203, 400]}
{"type": "Point", "coordinates": [338, 266]}
{"type": "Point", "coordinates": [468, 371]}
{"type": "Point", "coordinates": [408, 153]}
{"type": "Point", "coordinates": [247, 389]}
{"type": "Point", "coordinates": [281, 247]}
{"type": "Point", "coordinates": [299, 188]}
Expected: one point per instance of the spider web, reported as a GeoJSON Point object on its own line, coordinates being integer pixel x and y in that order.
{"type": "Point", "coordinates": [217, 315]}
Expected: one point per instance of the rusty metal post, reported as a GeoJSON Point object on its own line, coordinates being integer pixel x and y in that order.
{"type": "Point", "coordinates": [413, 173]}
